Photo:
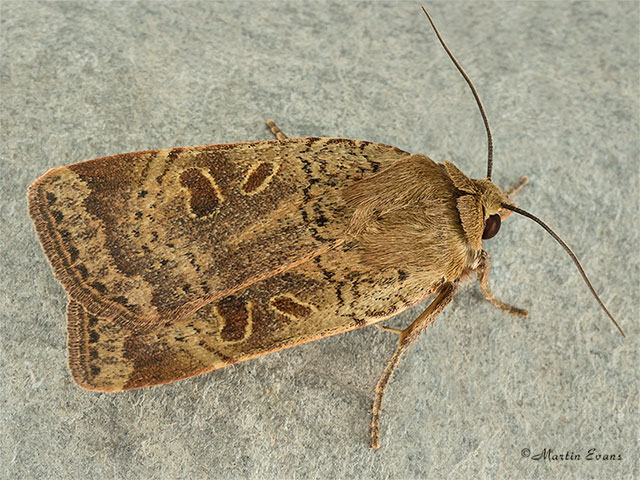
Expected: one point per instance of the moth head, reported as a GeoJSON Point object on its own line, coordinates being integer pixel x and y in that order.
{"type": "Point", "coordinates": [492, 198]}
{"type": "Point", "coordinates": [495, 204]}
{"type": "Point", "coordinates": [480, 206]}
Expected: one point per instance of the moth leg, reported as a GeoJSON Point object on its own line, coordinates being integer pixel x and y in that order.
{"type": "Point", "coordinates": [275, 130]}
{"type": "Point", "coordinates": [389, 329]}
{"type": "Point", "coordinates": [513, 189]}
{"type": "Point", "coordinates": [407, 337]}
{"type": "Point", "coordinates": [482, 270]}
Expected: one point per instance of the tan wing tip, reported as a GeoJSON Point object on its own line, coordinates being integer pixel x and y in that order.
{"type": "Point", "coordinates": [78, 353]}
{"type": "Point", "coordinates": [61, 263]}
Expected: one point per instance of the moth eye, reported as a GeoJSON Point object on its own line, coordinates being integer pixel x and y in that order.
{"type": "Point", "coordinates": [491, 227]}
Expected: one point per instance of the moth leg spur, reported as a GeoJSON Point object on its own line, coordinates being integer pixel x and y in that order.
{"type": "Point", "coordinates": [516, 187]}
{"type": "Point", "coordinates": [275, 130]}
{"type": "Point", "coordinates": [407, 337]}
{"type": "Point", "coordinates": [482, 270]}
{"type": "Point", "coordinates": [397, 331]}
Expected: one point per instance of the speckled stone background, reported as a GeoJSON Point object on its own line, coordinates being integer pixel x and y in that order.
{"type": "Point", "coordinates": [560, 81]}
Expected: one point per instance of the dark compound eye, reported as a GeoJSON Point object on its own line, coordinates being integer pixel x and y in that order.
{"type": "Point", "coordinates": [491, 227]}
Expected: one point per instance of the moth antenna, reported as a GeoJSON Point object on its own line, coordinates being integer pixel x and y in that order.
{"type": "Point", "coordinates": [473, 90]}
{"type": "Point", "coordinates": [571, 254]}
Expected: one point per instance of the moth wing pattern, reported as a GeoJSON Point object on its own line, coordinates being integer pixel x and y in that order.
{"type": "Point", "coordinates": [144, 237]}
{"type": "Point", "coordinates": [327, 295]}
{"type": "Point", "coordinates": [182, 261]}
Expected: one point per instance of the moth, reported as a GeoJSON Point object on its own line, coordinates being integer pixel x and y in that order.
{"type": "Point", "coordinates": [181, 261]}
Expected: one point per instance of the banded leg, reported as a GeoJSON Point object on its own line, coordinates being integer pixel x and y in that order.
{"type": "Point", "coordinates": [482, 270]}
{"type": "Point", "coordinates": [275, 130]}
{"type": "Point", "coordinates": [513, 189]}
{"type": "Point", "coordinates": [407, 337]}
{"type": "Point", "coordinates": [389, 329]}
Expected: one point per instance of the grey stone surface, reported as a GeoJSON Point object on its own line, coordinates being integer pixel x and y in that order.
{"type": "Point", "coordinates": [560, 81]}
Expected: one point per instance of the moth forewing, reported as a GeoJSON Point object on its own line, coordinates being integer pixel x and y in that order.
{"type": "Point", "coordinates": [146, 237]}
{"type": "Point", "coordinates": [313, 300]}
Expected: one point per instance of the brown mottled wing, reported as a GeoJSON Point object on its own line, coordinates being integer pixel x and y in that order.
{"type": "Point", "coordinates": [330, 294]}
{"type": "Point", "coordinates": [148, 237]}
